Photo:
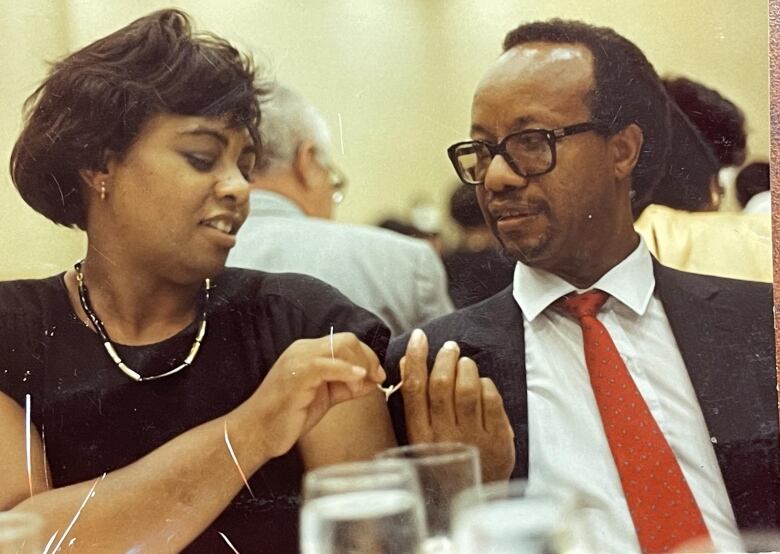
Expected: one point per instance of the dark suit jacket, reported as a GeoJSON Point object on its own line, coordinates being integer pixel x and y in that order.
{"type": "Point", "coordinates": [724, 329]}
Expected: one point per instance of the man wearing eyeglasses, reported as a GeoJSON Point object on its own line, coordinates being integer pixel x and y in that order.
{"type": "Point", "coordinates": [294, 191]}
{"type": "Point", "coordinates": [650, 392]}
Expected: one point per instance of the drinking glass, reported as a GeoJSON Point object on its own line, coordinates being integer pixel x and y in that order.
{"type": "Point", "coordinates": [362, 507]}
{"type": "Point", "coordinates": [508, 518]}
{"type": "Point", "coordinates": [444, 470]}
{"type": "Point", "coordinates": [760, 541]}
{"type": "Point", "coordinates": [20, 533]}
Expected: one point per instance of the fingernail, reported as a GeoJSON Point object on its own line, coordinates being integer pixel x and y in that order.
{"type": "Point", "coordinates": [416, 339]}
{"type": "Point", "coordinates": [451, 345]}
{"type": "Point", "coordinates": [358, 371]}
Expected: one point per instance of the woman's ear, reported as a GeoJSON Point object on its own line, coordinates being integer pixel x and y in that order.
{"type": "Point", "coordinates": [99, 179]}
{"type": "Point", "coordinates": [626, 146]}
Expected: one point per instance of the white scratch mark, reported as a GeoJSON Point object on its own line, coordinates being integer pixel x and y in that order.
{"type": "Point", "coordinates": [59, 188]}
{"type": "Point", "coordinates": [51, 540]}
{"type": "Point", "coordinates": [27, 410]}
{"type": "Point", "coordinates": [90, 494]}
{"type": "Point", "coordinates": [332, 351]}
{"type": "Point", "coordinates": [103, 255]}
{"type": "Point", "coordinates": [230, 544]}
{"type": "Point", "coordinates": [341, 134]}
{"type": "Point", "coordinates": [45, 465]}
{"type": "Point", "coordinates": [235, 461]}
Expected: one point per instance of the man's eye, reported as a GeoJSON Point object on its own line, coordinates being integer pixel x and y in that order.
{"type": "Point", "coordinates": [200, 163]}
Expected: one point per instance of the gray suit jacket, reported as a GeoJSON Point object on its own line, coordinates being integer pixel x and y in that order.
{"type": "Point", "coordinates": [724, 329]}
{"type": "Point", "coordinates": [398, 278]}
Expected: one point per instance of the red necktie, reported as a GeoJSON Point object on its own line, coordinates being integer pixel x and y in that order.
{"type": "Point", "coordinates": [662, 507]}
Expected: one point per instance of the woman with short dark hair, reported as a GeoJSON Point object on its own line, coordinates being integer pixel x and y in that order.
{"type": "Point", "coordinates": [178, 399]}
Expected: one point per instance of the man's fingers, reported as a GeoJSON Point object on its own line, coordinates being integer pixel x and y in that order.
{"type": "Point", "coordinates": [468, 395]}
{"type": "Point", "coordinates": [441, 389]}
{"type": "Point", "coordinates": [414, 372]}
{"type": "Point", "coordinates": [493, 414]}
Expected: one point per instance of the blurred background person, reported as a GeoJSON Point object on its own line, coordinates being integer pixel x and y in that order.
{"type": "Point", "coordinates": [682, 225]}
{"type": "Point", "coordinates": [410, 230]}
{"type": "Point", "coordinates": [475, 267]}
{"type": "Point", "coordinates": [753, 188]}
{"type": "Point", "coordinates": [294, 190]}
{"type": "Point", "coordinates": [708, 134]}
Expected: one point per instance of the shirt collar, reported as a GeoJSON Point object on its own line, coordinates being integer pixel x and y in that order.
{"type": "Point", "coordinates": [631, 282]}
{"type": "Point", "coordinates": [265, 202]}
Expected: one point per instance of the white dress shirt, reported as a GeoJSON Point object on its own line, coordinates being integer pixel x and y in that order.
{"type": "Point", "coordinates": [567, 445]}
{"type": "Point", "coordinates": [760, 203]}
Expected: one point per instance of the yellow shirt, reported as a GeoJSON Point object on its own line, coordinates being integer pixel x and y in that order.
{"type": "Point", "coordinates": [732, 245]}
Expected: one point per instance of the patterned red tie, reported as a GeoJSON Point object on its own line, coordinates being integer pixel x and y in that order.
{"type": "Point", "coordinates": [662, 507]}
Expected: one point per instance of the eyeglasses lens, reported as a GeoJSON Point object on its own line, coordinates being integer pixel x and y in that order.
{"type": "Point", "coordinates": [530, 152]}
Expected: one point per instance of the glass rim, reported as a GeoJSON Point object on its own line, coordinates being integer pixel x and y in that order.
{"type": "Point", "coordinates": [518, 489]}
{"type": "Point", "coordinates": [501, 492]}
{"type": "Point", "coordinates": [431, 452]}
{"type": "Point", "coordinates": [513, 488]}
{"type": "Point", "coordinates": [368, 474]}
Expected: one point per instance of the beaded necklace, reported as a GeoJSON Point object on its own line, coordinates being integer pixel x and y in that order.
{"type": "Point", "coordinates": [85, 304]}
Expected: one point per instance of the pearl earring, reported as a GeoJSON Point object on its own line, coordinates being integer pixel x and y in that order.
{"type": "Point", "coordinates": [102, 190]}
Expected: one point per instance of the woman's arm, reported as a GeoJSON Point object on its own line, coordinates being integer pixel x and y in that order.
{"type": "Point", "coordinates": [167, 498]}
{"type": "Point", "coordinates": [354, 430]}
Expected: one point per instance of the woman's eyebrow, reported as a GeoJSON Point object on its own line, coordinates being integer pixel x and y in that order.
{"type": "Point", "coordinates": [204, 131]}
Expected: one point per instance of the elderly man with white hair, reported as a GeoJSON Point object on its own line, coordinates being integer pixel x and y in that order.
{"type": "Point", "coordinates": [294, 189]}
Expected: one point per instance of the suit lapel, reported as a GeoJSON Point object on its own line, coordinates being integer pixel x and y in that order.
{"type": "Point", "coordinates": [508, 353]}
{"type": "Point", "coordinates": [690, 316]}
{"type": "Point", "coordinates": [492, 334]}
{"type": "Point", "coordinates": [710, 343]}
{"type": "Point", "coordinates": [731, 367]}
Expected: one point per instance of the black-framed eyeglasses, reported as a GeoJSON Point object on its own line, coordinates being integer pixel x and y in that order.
{"type": "Point", "coordinates": [338, 181]}
{"type": "Point", "coordinates": [529, 153]}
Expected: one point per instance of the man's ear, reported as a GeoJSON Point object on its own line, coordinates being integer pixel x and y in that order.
{"type": "Point", "coordinates": [305, 163]}
{"type": "Point", "coordinates": [626, 146]}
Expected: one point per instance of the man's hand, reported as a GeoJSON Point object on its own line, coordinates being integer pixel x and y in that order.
{"type": "Point", "coordinates": [455, 404]}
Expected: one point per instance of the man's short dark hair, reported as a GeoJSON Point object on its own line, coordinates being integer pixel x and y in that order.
{"type": "Point", "coordinates": [403, 228]}
{"type": "Point", "coordinates": [464, 208]}
{"type": "Point", "coordinates": [626, 90]}
{"type": "Point", "coordinates": [753, 178]}
{"type": "Point", "coordinates": [95, 101]}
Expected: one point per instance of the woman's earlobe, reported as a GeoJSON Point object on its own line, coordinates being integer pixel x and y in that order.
{"type": "Point", "coordinates": [96, 180]}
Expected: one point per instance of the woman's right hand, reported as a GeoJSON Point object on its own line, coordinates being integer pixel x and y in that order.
{"type": "Point", "coordinates": [306, 381]}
